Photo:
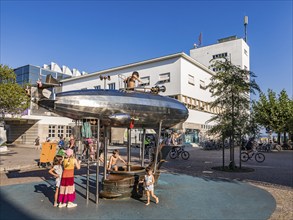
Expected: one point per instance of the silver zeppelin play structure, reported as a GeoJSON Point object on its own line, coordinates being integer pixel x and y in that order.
{"type": "Point", "coordinates": [116, 108]}
{"type": "Point", "coordinates": [139, 108]}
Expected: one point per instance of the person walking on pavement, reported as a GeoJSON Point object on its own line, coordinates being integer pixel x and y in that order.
{"type": "Point", "coordinates": [37, 143]}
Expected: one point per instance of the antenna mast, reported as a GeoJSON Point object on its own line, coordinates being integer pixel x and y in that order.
{"type": "Point", "coordinates": [245, 25]}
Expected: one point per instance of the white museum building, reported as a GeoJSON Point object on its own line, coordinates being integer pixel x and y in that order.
{"type": "Point", "coordinates": [184, 76]}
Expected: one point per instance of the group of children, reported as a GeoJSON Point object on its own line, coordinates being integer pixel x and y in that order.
{"type": "Point", "coordinates": [148, 180]}
{"type": "Point", "coordinates": [63, 171]}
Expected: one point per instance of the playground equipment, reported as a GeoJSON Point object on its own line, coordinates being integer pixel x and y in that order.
{"type": "Point", "coordinates": [118, 108]}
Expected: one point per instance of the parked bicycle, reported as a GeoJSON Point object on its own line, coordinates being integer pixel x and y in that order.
{"type": "Point", "coordinates": [177, 151]}
{"type": "Point", "coordinates": [259, 157]}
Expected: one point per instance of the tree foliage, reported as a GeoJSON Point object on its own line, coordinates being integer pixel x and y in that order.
{"type": "Point", "coordinates": [275, 113]}
{"type": "Point", "coordinates": [13, 98]}
{"type": "Point", "coordinates": [231, 87]}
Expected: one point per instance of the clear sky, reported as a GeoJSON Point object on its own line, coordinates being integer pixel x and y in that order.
{"type": "Point", "coordinates": [96, 35]}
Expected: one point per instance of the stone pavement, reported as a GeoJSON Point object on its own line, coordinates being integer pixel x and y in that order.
{"type": "Point", "coordinates": [196, 195]}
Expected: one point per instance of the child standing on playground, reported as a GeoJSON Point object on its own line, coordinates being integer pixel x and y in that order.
{"type": "Point", "coordinates": [57, 171]}
{"type": "Point", "coordinates": [149, 181]}
{"type": "Point", "coordinates": [67, 188]}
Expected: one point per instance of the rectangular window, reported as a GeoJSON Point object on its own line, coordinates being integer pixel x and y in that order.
{"type": "Point", "coordinates": [60, 130]}
{"type": "Point", "coordinates": [164, 78]}
{"type": "Point", "coordinates": [68, 131]}
{"type": "Point", "coordinates": [190, 79]}
{"type": "Point", "coordinates": [83, 89]}
{"type": "Point", "coordinates": [202, 84]}
{"type": "Point", "coordinates": [245, 52]}
{"type": "Point", "coordinates": [217, 69]}
{"type": "Point", "coordinates": [111, 86]}
{"type": "Point", "coordinates": [220, 55]}
{"type": "Point", "coordinates": [51, 132]}
{"type": "Point", "coordinates": [97, 87]}
{"type": "Point", "coordinates": [145, 81]}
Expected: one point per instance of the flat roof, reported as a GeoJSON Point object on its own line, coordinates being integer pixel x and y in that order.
{"type": "Point", "coordinates": [176, 55]}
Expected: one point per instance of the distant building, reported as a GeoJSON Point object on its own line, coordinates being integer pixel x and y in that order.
{"type": "Point", "coordinates": [36, 121]}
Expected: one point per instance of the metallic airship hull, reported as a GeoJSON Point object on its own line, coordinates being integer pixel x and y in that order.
{"type": "Point", "coordinates": [117, 108]}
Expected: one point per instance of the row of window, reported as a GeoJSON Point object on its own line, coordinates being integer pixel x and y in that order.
{"type": "Point", "coordinates": [206, 126]}
{"type": "Point", "coordinates": [59, 131]}
{"type": "Point", "coordinates": [163, 78]}
{"type": "Point", "coordinates": [196, 104]}
{"type": "Point", "coordinates": [220, 55]}
{"type": "Point", "coordinates": [191, 81]}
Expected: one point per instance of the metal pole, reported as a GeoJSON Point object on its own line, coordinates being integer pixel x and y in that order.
{"type": "Point", "coordinates": [87, 180]}
{"type": "Point", "coordinates": [240, 163]}
{"type": "Point", "coordinates": [158, 146]}
{"type": "Point", "coordinates": [105, 152]}
{"type": "Point", "coordinates": [223, 153]}
{"type": "Point", "coordinates": [98, 161]}
{"type": "Point", "coordinates": [143, 147]}
{"type": "Point", "coordinates": [128, 149]}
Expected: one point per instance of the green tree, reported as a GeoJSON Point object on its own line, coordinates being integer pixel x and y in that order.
{"type": "Point", "coordinates": [275, 113]}
{"type": "Point", "coordinates": [230, 87]}
{"type": "Point", "coordinates": [285, 113]}
{"type": "Point", "coordinates": [13, 98]}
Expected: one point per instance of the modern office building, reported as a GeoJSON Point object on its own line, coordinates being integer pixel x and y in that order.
{"type": "Point", "coordinates": [185, 78]}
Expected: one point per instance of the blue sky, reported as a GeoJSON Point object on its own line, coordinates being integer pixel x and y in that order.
{"type": "Point", "coordinates": [96, 35]}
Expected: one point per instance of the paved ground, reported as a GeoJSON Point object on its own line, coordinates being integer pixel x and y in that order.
{"type": "Point", "coordinates": [188, 189]}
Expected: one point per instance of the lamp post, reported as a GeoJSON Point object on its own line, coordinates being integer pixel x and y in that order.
{"type": "Point", "coordinates": [105, 78]}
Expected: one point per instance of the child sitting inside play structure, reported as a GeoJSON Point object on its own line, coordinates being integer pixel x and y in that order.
{"type": "Point", "coordinates": [113, 160]}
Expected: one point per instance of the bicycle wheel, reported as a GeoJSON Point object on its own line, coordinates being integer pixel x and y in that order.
{"type": "Point", "coordinates": [173, 154]}
{"type": "Point", "coordinates": [244, 156]}
{"type": "Point", "coordinates": [185, 155]}
{"type": "Point", "coordinates": [259, 157]}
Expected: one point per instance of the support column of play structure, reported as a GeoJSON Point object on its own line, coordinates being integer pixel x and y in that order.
{"type": "Point", "coordinates": [98, 161]}
{"type": "Point", "coordinates": [143, 147]}
{"type": "Point", "coordinates": [129, 149]}
{"type": "Point", "coordinates": [105, 151]}
{"type": "Point", "coordinates": [158, 146]}
{"type": "Point", "coordinates": [97, 167]}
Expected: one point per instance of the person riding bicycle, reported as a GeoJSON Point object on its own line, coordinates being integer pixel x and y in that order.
{"type": "Point", "coordinates": [249, 145]}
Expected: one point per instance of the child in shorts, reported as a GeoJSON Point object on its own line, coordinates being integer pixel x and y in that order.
{"type": "Point", "coordinates": [57, 171]}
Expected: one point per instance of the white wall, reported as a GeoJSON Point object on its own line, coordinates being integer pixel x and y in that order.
{"type": "Point", "coordinates": [199, 117]}
{"type": "Point", "coordinates": [194, 91]}
{"type": "Point", "coordinates": [234, 48]}
{"type": "Point", "coordinates": [152, 69]}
